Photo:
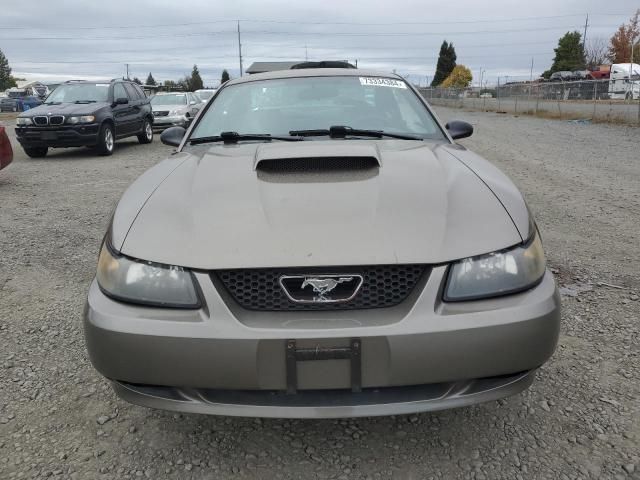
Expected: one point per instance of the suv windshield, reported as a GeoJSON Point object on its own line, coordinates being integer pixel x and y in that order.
{"type": "Point", "coordinates": [80, 92]}
{"type": "Point", "coordinates": [173, 99]}
{"type": "Point", "coordinates": [281, 105]}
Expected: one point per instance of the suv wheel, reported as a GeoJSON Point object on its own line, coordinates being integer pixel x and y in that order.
{"type": "Point", "coordinates": [36, 152]}
{"type": "Point", "coordinates": [146, 136]}
{"type": "Point", "coordinates": [106, 140]}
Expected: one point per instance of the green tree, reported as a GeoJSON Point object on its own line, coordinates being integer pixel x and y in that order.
{"type": "Point", "coordinates": [150, 80]}
{"type": "Point", "coordinates": [446, 63]}
{"type": "Point", "coordinates": [569, 54]}
{"type": "Point", "coordinates": [195, 82]}
{"type": "Point", "coordinates": [460, 77]}
{"type": "Point", "coordinates": [6, 80]}
{"type": "Point", "coordinates": [137, 80]}
{"type": "Point", "coordinates": [225, 77]}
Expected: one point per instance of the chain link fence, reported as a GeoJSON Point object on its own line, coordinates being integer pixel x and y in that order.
{"type": "Point", "coordinates": [599, 100]}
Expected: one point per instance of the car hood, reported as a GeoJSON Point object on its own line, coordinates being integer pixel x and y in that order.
{"type": "Point", "coordinates": [216, 208]}
{"type": "Point", "coordinates": [156, 108]}
{"type": "Point", "coordinates": [65, 109]}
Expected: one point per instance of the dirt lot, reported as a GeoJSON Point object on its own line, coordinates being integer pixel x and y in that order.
{"type": "Point", "coordinates": [581, 419]}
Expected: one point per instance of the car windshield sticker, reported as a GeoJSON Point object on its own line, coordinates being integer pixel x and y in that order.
{"type": "Point", "coordinates": [382, 82]}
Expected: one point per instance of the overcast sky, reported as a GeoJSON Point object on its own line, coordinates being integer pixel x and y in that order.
{"type": "Point", "coordinates": [49, 40]}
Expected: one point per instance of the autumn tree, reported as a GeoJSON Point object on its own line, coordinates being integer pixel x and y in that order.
{"type": "Point", "coordinates": [446, 63]}
{"type": "Point", "coordinates": [625, 36]}
{"type": "Point", "coordinates": [460, 77]}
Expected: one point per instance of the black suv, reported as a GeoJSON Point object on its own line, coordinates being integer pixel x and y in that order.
{"type": "Point", "coordinates": [92, 114]}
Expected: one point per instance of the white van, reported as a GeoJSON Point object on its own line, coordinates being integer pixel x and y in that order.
{"type": "Point", "coordinates": [624, 82]}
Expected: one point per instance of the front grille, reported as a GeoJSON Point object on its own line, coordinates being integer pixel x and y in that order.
{"type": "Point", "coordinates": [40, 120]}
{"type": "Point", "coordinates": [317, 164]}
{"type": "Point", "coordinates": [56, 120]}
{"type": "Point", "coordinates": [163, 113]}
{"type": "Point", "coordinates": [382, 286]}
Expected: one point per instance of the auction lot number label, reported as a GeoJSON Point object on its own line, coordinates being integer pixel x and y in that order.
{"type": "Point", "coordinates": [382, 82]}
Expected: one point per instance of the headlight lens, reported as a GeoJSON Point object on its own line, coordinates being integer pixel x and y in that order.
{"type": "Point", "coordinates": [498, 273]}
{"type": "Point", "coordinates": [23, 121]}
{"type": "Point", "coordinates": [81, 119]}
{"type": "Point", "coordinates": [144, 282]}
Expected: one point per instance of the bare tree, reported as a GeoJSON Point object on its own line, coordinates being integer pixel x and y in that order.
{"type": "Point", "coordinates": [596, 52]}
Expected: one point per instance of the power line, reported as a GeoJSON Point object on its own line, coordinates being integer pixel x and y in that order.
{"type": "Point", "coordinates": [191, 59]}
{"type": "Point", "coordinates": [298, 22]}
{"type": "Point", "coordinates": [284, 32]}
{"type": "Point", "coordinates": [190, 48]}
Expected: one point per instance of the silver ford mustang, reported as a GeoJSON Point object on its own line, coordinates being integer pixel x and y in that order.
{"type": "Point", "coordinates": [319, 246]}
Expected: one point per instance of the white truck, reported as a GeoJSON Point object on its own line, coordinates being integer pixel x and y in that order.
{"type": "Point", "coordinates": [624, 81]}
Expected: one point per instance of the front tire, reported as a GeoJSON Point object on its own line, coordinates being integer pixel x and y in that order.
{"type": "Point", "coordinates": [36, 152]}
{"type": "Point", "coordinates": [106, 140]}
{"type": "Point", "coordinates": [146, 136]}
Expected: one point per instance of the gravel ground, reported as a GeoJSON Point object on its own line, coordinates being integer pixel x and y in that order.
{"type": "Point", "coordinates": [579, 420]}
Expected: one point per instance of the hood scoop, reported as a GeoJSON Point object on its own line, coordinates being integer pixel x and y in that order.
{"type": "Point", "coordinates": [317, 164]}
{"type": "Point", "coordinates": [317, 157]}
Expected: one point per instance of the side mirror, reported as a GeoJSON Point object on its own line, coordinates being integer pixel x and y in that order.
{"type": "Point", "coordinates": [121, 101]}
{"type": "Point", "coordinates": [458, 129]}
{"type": "Point", "coordinates": [172, 136]}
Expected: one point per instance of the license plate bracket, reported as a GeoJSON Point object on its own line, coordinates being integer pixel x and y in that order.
{"type": "Point", "coordinates": [353, 353]}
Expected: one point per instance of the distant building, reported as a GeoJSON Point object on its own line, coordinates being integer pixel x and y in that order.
{"type": "Point", "coordinates": [261, 67]}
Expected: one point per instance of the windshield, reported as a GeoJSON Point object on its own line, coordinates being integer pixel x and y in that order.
{"type": "Point", "coordinates": [278, 106]}
{"type": "Point", "coordinates": [174, 99]}
{"type": "Point", "coordinates": [80, 92]}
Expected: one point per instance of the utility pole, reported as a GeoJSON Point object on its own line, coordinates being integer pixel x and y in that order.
{"type": "Point", "coordinates": [306, 54]}
{"type": "Point", "coordinates": [584, 37]}
{"type": "Point", "coordinates": [127, 65]}
{"type": "Point", "coordinates": [531, 74]}
{"type": "Point", "coordinates": [239, 48]}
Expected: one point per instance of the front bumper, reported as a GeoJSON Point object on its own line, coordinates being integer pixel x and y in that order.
{"type": "Point", "coordinates": [220, 360]}
{"type": "Point", "coordinates": [327, 403]}
{"type": "Point", "coordinates": [59, 136]}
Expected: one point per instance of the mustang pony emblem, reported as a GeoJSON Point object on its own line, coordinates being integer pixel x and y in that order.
{"type": "Point", "coordinates": [322, 286]}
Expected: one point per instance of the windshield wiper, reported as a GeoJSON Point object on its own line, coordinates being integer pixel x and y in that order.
{"type": "Point", "coordinates": [235, 137]}
{"type": "Point", "coordinates": [340, 131]}
{"type": "Point", "coordinates": [52, 103]}
{"type": "Point", "coordinates": [85, 101]}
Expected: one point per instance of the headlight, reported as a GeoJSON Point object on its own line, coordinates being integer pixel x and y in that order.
{"type": "Point", "coordinates": [81, 119]}
{"type": "Point", "coordinates": [145, 282]}
{"type": "Point", "coordinates": [174, 113]}
{"type": "Point", "coordinates": [498, 273]}
{"type": "Point", "coordinates": [23, 121]}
